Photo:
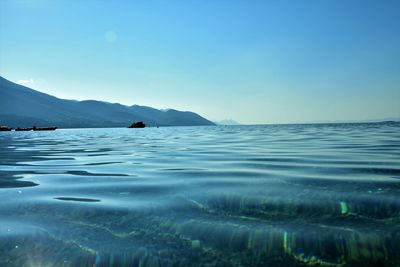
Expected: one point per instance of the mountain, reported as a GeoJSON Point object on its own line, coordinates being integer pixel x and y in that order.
{"type": "Point", "coordinates": [21, 106]}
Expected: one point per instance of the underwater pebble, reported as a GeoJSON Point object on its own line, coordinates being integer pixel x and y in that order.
{"type": "Point", "coordinates": [195, 243]}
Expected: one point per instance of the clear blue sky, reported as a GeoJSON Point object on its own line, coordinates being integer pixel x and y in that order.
{"type": "Point", "coordinates": [253, 61]}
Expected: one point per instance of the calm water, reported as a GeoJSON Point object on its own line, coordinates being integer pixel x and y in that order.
{"type": "Point", "coordinates": [283, 195]}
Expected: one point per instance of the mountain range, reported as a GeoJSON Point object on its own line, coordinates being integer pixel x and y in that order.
{"type": "Point", "coordinates": [21, 106]}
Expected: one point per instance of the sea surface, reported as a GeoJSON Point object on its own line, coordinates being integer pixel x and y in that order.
{"type": "Point", "coordinates": [273, 195]}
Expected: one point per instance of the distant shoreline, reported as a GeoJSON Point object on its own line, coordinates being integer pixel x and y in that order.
{"type": "Point", "coordinates": [240, 125]}
{"type": "Point", "coordinates": [336, 122]}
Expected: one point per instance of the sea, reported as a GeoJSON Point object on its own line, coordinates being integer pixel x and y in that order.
{"type": "Point", "coordinates": [266, 195]}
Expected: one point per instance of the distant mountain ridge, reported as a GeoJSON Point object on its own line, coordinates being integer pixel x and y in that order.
{"type": "Point", "coordinates": [21, 106]}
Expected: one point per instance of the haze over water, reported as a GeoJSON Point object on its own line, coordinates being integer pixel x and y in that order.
{"type": "Point", "coordinates": [272, 195]}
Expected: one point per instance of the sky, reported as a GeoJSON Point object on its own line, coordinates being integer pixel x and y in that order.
{"type": "Point", "coordinates": [252, 61]}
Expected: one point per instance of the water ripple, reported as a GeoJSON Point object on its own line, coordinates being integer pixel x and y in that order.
{"type": "Point", "coordinates": [276, 195]}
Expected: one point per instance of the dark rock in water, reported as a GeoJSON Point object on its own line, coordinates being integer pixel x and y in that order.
{"type": "Point", "coordinates": [5, 128]}
{"type": "Point", "coordinates": [24, 129]}
{"type": "Point", "coordinates": [44, 128]}
{"type": "Point", "coordinates": [138, 124]}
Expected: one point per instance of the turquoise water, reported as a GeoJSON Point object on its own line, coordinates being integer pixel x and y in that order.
{"type": "Point", "coordinates": [276, 195]}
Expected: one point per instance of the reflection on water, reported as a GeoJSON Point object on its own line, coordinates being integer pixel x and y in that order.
{"type": "Point", "coordinates": [278, 195]}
